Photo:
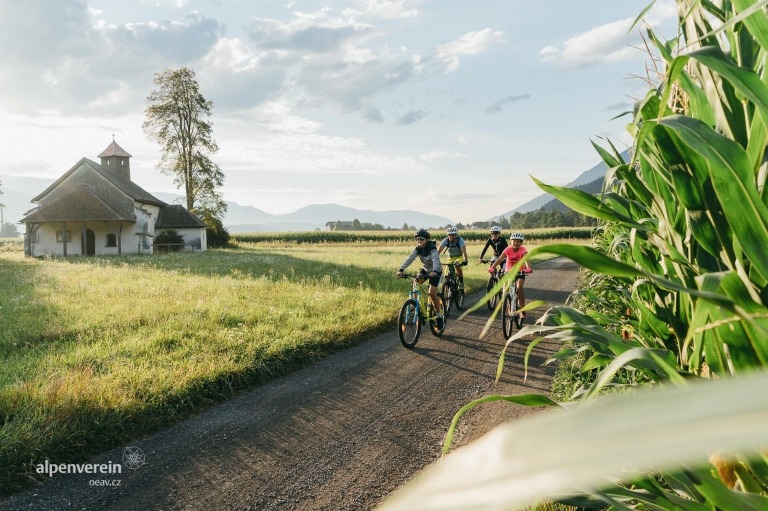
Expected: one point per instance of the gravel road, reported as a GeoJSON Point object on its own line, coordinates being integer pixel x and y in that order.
{"type": "Point", "coordinates": [339, 435]}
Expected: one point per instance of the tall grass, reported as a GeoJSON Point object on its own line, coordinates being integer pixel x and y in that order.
{"type": "Point", "coordinates": [95, 351]}
{"type": "Point", "coordinates": [674, 320]}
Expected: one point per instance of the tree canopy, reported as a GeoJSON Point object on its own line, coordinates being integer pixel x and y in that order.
{"type": "Point", "coordinates": [176, 118]}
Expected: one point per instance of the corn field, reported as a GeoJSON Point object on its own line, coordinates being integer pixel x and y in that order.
{"type": "Point", "coordinates": [671, 329]}
{"type": "Point", "coordinates": [399, 237]}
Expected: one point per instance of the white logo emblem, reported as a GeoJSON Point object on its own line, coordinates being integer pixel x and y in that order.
{"type": "Point", "coordinates": [133, 457]}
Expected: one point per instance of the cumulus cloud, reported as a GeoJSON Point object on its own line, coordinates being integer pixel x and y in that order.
{"type": "Point", "coordinates": [71, 58]}
{"type": "Point", "coordinates": [313, 33]}
{"type": "Point", "coordinates": [606, 43]}
{"type": "Point", "coordinates": [66, 59]}
{"type": "Point", "coordinates": [498, 105]}
{"type": "Point", "coordinates": [471, 43]}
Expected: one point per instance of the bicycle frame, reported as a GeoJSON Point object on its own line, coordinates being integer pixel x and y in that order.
{"type": "Point", "coordinates": [416, 311]}
{"type": "Point", "coordinates": [510, 315]}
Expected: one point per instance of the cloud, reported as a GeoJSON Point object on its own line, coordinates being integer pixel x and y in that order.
{"type": "Point", "coordinates": [385, 9]}
{"type": "Point", "coordinates": [309, 33]}
{"type": "Point", "coordinates": [411, 117]}
{"type": "Point", "coordinates": [471, 43]}
{"type": "Point", "coordinates": [622, 105]}
{"type": "Point", "coordinates": [606, 43]}
{"type": "Point", "coordinates": [498, 105]}
{"type": "Point", "coordinates": [66, 59]}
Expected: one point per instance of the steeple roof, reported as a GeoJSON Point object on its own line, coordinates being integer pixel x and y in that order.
{"type": "Point", "coordinates": [114, 150]}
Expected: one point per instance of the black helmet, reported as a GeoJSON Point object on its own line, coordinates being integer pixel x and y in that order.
{"type": "Point", "coordinates": [421, 233]}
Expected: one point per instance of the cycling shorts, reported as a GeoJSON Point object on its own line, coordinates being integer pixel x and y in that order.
{"type": "Point", "coordinates": [424, 275]}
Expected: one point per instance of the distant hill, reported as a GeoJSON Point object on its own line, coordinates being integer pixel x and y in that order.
{"type": "Point", "coordinates": [18, 192]}
{"type": "Point", "coordinates": [590, 181]}
{"type": "Point", "coordinates": [594, 187]}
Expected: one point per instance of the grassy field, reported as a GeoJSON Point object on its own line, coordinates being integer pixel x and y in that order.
{"type": "Point", "coordinates": [96, 351]}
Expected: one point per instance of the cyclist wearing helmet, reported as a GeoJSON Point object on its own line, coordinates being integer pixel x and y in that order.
{"type": "Point", "coordinates": [512, 255]}
{"type": "Point", "coordinates": [426, 251]}
{"type": "Point", "coordinates": [496, 241]}
{"type": "Point", "coordinates": [456, 247]}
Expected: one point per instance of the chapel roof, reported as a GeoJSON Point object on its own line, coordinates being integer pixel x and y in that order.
{"type": "Point", "coordinates": [175, 216]}
{"type": "Point", "coordinates": [114, 150]}
{"type": "Point", "coordinates": [127, 186]}
{"type": "Point", "coordinates": [82, 204]}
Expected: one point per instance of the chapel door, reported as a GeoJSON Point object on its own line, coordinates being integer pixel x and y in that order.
{"type": "Point", "coordinates": [90, 243]}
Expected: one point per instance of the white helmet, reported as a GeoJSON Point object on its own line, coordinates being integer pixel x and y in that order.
{"type": "Point", "coordinates": [517, 236]}
{"type": "Point", "coordinates": [451, 230]}
{"type": "Point", "coordinates": [496, 228]}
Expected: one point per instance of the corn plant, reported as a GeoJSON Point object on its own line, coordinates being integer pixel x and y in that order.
{"type": "Point", "coordinates": [678, 297]}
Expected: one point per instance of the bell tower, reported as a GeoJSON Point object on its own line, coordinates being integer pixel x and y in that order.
{"type": "Point", "coordinates": [115, 159]}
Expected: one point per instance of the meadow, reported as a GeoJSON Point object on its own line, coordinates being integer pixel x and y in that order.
{"type": "Point", "coordinates": [97, 351]}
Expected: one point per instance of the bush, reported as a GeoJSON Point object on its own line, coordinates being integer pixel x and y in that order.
{"type": "Point", "coordinates": [169, 241]}
{"type": "Point", "coordinates": [218, 235]}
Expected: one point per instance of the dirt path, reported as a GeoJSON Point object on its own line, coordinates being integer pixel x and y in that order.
{"type": "Point", "coordinates": [340, 435]}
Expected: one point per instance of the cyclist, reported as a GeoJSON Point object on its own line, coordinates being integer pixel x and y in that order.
{"type": "Point", "coordinates": [496, 241]}
{"type": "Point", "coordinates": [456, 247]}
{"type": "Point", "coordinates": [512, 256]}
{"type": "Point", "coordinates": [426, 251]}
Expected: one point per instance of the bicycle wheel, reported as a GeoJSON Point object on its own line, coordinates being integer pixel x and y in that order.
{"type": "Point", "coordinates": [495, 298]}
{"type": "Point", "coordinates": [409, 324]}
{"type": "Point", "coordinates": [437, 332]}
{"type": "Point", "coordinates": [448, 294]}
{"type": "Point", "coordinates": [507, 317]}
{"type": "Point", "coordinates": [518, 318]}
{"type": "Point", "coordinates": [459, 299]}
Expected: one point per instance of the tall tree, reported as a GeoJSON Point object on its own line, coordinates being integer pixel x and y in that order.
{"type": "Point", "coordinates": [177, 119]}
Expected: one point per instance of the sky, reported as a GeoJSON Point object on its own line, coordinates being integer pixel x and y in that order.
{"type": "Point", "coordinates": [447, 107]}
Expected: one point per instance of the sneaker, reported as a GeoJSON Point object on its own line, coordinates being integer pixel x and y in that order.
{"type": "Point", "coordinates": [440, 322]}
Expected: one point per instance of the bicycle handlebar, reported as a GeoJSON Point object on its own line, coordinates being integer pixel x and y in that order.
{"type": "Point", "coordinates": [412, 276]}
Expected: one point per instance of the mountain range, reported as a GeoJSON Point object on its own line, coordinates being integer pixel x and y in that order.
{"type": "Point", "coordinates": [18, 191]}
{"type": "Point", "coordinates": [590, 181]}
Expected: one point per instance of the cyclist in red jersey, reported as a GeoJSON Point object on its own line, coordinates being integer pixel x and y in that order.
{"type": "Point", "coordinates": [512, 255]}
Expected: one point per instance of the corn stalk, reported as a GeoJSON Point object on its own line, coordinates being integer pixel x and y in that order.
{"type": "Point", "coordinates": [679, 299]}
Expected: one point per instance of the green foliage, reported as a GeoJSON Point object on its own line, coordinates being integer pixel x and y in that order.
{"type": "Point", "coordinates": [539, 219]}
{"type": "Point", "coordinates": [9, 230]}
{"type": "Point", "coordinates": [169, 240]}
{"type": "Point", "coordinates": [176, 119]}
{"type": "Point", "coordinates": [218, 236]}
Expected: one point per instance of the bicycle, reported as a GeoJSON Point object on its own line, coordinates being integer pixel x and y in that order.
{"type": "Point", "coordinates": [415, 312]}
{"type": "Point", "coordinates": [510, 314]}
{"type": "Point", "coordinates": [452, 293]}
{"type": "Point", "coordinates": [492, 281]}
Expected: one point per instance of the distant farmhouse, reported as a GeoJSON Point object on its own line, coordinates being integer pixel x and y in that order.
{"type": "Point", "coordinates": [97, 210]}
{"type": "Point", "coordinates": [339, 225]}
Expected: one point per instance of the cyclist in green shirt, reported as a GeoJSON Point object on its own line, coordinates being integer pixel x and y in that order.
{"type": "Point", "coordinates": [457, 248]}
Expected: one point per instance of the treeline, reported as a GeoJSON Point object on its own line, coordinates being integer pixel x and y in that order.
{"type": "Point", "coordinates": [538, 219]}
{"type": "Point", "coordinates": [356, 225]}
